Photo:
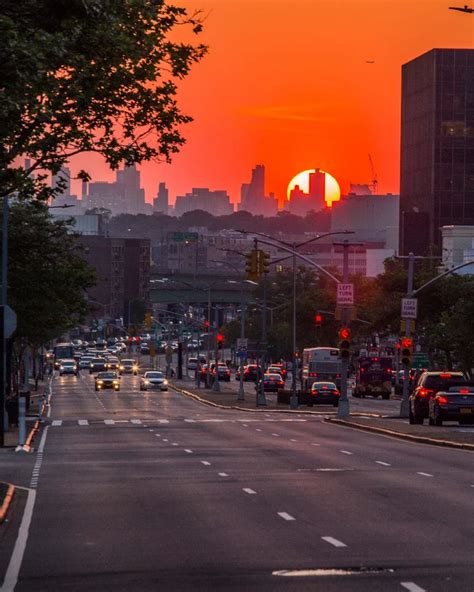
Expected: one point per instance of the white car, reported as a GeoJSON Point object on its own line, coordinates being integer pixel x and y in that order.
{"type": "Point", "coordinates": [153, 380]}
{"type": "Point", "coordinates": [68, 367]}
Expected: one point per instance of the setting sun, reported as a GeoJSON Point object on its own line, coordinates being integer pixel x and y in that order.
{"type": "Point", "coordinates": [332, 189]}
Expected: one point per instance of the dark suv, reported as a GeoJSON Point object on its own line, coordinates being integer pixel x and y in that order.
{"type": "Point", "coordinates": [426, 388]}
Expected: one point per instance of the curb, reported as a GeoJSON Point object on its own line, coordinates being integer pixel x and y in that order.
{"type": "Point", "coordinates": [400, 435]}
{"type": "Point", "coordinates": [261, 410]}
{"type": "Point", "coordinates": [6, 502]}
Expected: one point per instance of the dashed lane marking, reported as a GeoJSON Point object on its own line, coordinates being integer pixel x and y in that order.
{"type": "Point", "coordinates": [188, 451]}
{"type": "Point", "coordinates": [83, 422]}
{"type": "Point", "coordinates": [206, 463]}
{"type": "Point", "coordinates": [165, 440]}
{"type": "Point", "coordinates": [174, 444]}
{"type": "Point", "coordinates": [223, 474]}
{"type": "Point", "coordinates": [384, 464]}
{"type": "Point", "coordinates": [277, 435]}
{"type": "Point", "coordinates": [334, 542]}
{"type": "Point", "coordinates": [293, 440]}
{"type": "Point", "coordinates": [286, 516]}
{"type": "Point", "coordinates": [57, 422]}
{"type": "Point", "coordinates": [412, 587]}
{"type": "Point", "coordinates": [424, 474]}
{"type": "Point", "coordinates": [109, 421]}
{"type": "Point", "coordinates": [136, 421]}
{"type": "Point", "coordinates": [249, 491]}
{"type": "Point", "coordinates": [346, 452]}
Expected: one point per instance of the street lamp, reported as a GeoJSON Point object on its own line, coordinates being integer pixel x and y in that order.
{"type": "Point", "coordinates": [294, 246]}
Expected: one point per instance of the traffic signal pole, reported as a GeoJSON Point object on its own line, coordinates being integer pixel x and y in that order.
{"type": "Point", "coordinates": [261, 400]}
{"type": "Point", "coordinates": [404, 406]}
{"type": "Point", "coordinates": [343, 408]}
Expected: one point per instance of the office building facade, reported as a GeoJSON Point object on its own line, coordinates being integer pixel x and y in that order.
{"type": "Point", "coordinates": [437, 147]}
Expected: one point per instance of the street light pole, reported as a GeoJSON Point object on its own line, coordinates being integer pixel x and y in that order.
{"type": "Point", "coordinates": [216, 387]}
{"type": "Point", "coordinates": [4, 294]}
{"type": "Point", "coordinates": [261, 400]}
{"type": "Point", "coordinates": [404, 406]}
{"type": "Point", "coordinates": [343, 408]}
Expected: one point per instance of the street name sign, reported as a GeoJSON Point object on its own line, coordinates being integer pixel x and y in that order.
{"type": "Point", "coordinates": [409, 308]}
{"type": "Point", "coordinates": [9, 321]}
{"type": "Point", "coordinates": [345, 294]}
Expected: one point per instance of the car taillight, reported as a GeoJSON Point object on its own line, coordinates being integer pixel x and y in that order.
{"type": "Point", "coordinates": [424, 392]}
{"type": "Point", "coordinates": [464, 391]}
{"type": "Point", "coordinates": [336, 393]}
{"type": "Point", "coordinates": [389, 370]}
{"type": "Point", "coordinates": [445, 375]}
{"type": "Point", "coordinates": [442, 400]}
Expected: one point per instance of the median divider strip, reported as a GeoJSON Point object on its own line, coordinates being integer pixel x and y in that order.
{"type": "Point", "coordinates": [6, 502]}
{"type": "Point", "coordinates": [400, 435]}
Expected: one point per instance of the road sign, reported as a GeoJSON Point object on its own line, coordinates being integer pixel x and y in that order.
{"type": "Point", "coordinates": [345, 294]}
{"type": "Point", "coordinates": [9, 321]}
{"type": "Point", "coordinates": [409, 308]}
{"type": "Point", "coordinates": [242, 343]}
{"type": "Point", "coordinates": [181, 237]}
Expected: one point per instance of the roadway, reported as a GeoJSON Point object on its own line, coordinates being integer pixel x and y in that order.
{"type": "Point", "coordinates": [154, 491]}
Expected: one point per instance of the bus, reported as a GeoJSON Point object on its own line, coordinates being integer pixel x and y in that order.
{"type": "Point", "coordinates": [321, 364]}
{"type": "Point", "coordinates": [374, 377]}
{"type": "Point", "coordinates": [62, 351]}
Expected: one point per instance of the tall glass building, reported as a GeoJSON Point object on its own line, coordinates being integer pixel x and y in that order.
{"type": "Point", "coordinates": [437, 147]}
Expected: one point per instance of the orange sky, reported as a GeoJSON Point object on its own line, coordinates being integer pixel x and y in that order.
{"type": "Point", "coordinates": [286, 84]}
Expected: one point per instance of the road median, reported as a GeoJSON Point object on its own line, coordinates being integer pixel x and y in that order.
{"type": "Point", "coordinates": [7, 491]}
{"type": "Point", "coordinates": [400, 428]}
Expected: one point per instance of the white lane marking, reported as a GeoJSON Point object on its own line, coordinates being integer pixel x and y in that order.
{"type": "Point", "coordinates": [412, 587]}
{"type": "Point", "coordinates": [285, 516]}
{"type": "Point", "coordinates": [346, 452]}
{"type": "Point", "coordinates": [57, 422]}
{"type": "Point", "coordinates": [188, 451]}
{"type": "Point", "coordinates": [249, 491]}
{"type": "Point", "coordinates": [163, 421]}
{"type": "Point", "coordinates": [175, 444]}
{"type": "Point", "coordinates": [293, 440]}
{"type": "Point", "coordinates": [244, 425]}
{"type": "Point", "coordinates": [11, 577]}
{"type": "Point", "coordinates": [150, 430]}
{"type": "Point", "coordinates": [315, 444]}
{"type": "Point", "coordinates": [43, 441]}
{"type": "Point", "coordinates": [165, 440]}
{"type": "Point", "coordinates": [258, 430]}
{"type": "Point", "coordinates": [83, 421]}
{"type": "Point", "coordinates": [334, 542]}
{"type": "Point", "coordinates": [278, 435]}
{"type": "Point", "coordinates": [136, 421]}
{"type": "Point", "coordinates": [424, 474]}
{"type": "Point", "coordinates": [190, 420]}
{"type": "Point", "coordinates": [206, 463]}
{"type": "Point", "coordinates": [384, 464]}
{"type": "Point", "coordinates": [109, 421]}
{"type": "Point", "coordinates": [223, 474]}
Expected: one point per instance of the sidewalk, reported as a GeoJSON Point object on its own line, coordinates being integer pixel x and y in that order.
{"type": "Point", "coordinates": [451, 435]}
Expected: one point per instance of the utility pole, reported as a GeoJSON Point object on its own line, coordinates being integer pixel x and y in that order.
{"type": "Point", "coordinates": [294, 396]}
{"type": "Point", "coordinates": [209, 331]}
{"type": "Point", "coordinates": [404, 406]}
{"type": "Point", "coordinates": [216, 387]}
{"type": "Point", "coordinates": [4, 293]}
{"type": "Point", "coordinates": [241, 395]}
{"type": "Point", "coordinates": [261, 400]}
{"type": "Point", "coordinates": [343, 409]}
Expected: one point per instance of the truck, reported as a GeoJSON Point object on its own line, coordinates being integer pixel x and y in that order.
{"type": "Point", "coordinates": [374, 377]}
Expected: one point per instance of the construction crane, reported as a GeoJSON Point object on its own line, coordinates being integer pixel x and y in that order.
{"type": "Point", "coordinates": [375, 183]}
{"type": "Point", "coordinates": [464, 8]}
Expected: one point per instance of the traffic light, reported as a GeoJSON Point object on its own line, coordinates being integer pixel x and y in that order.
{"type": "Point", "coordinates": [220, 340]}
{"type": "Point", "coordinates": [406, 351]}
{"type": "Point", "coordinates": [345, 343]}
{"type": "Point", "coordinates": [251, 265]}
{"type": "Point", "coordinates": [263, 262]}
{"type": "Point", "coordinates": [206, 326]}
{"type": "Point", "coordinates": [148, 322]}
{"type": "Point", "coordinates": [318, 320]}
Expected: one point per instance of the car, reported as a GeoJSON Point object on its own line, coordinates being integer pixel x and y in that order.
{"type": "Point", "coordinates": [251, 372]}
{"type": "Point", "coordinates": [193, 362]}
{"type": "Point", "coordinates": [223, 371]}
{"type": "Point", "coordinates": [128, 367]}
{"type": "Point", "coordinates": [324, 393]}
{"type": "Point", "coordinates": [97, 365]}
{"type": "Point", "coordinates": [107, 380]}
{"type": "Point", "coordinates": [271, 382]}
{"type": "Point", "coordinates": [85, 362]}
{"type": "Point", "coordinates": [455, 404]}
{"type": "Point", "coordinates": [274, 369]}
{"type": "Point", "coordinates": [145, 349]}
{"type": "Point", "coordinates": [153, 380]}
{"type": "Point", "coordinates": [428, 385]}
{"type": "Point", "coordinates": [68, 367]}
{"type": "Point", "coordinates": [112, 363]}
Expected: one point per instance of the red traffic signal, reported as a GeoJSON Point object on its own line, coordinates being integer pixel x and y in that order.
{"type": "Point", "coordinates": [345, 333]}
{"type": "Point", "coordinates": [220, 338]}
{"type": "Point", "coordinates": [206, 325]}
{"type": "Point", "coordinates": [407, 342]}
{"type": "Point", "coordinates": [318, 319]}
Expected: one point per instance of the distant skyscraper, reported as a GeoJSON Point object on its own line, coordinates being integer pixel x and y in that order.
{"type": "Point", "coordinates": [161, 201]}
{"type": "Point", "coordinates": [125, 196]}
{"type": "Point", "coordinates": [301, 203]}
{"type": "Point", "coordinates": [252, 195]}
{"type": "Point", "coordinates": [437, 147]}
{"type": "Point", "coordinates": [214, 202]}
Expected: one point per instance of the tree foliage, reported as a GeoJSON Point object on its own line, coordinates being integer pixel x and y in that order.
{"type": "Point", "coordinates": [89, 76]}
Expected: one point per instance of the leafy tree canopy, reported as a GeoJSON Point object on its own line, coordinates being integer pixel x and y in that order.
{"type": "Point", "coordinates": [89, 76]}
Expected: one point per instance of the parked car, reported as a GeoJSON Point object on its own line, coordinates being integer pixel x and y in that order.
{"type": "Point", "coordinates": [456, 404]}
{"type": "Point", "coordinates": [428, 385]}
{"type": "Point", "coordinates": [107, 380]}
{"type": "Point", "coordinates": [128, 367]}
{"type": "Point", "coordinates": [271, 383]}
{"type": "Point", "coordinates": [153, 380]}
{"type": "Point", "coordinates": [323, 393]}
{"type": "Point", "coordinates": [68, 367]}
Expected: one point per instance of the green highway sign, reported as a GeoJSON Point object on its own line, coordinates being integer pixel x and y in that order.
{"type": "Point", "coordinates": [181, 237]}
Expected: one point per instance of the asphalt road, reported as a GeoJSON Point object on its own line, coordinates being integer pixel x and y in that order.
{"type": "Point", "coordinates": [153, 491]}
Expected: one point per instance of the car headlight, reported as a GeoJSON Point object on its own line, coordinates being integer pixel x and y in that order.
{"type": "Point", "coordinates": [146, 381]}
{"type": "Point", "coordinates": [121, 367]}
{"type": "Point", "coordinates": [165, 381]}
{"type": "Point", "coordinates": [61, 367]}
{"type": "Point", "coordinates": [115, 382]}
{"type": "Point", "coordinates": [135, 368]}
{"type": "Point", "coordinates": [100, 382]}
